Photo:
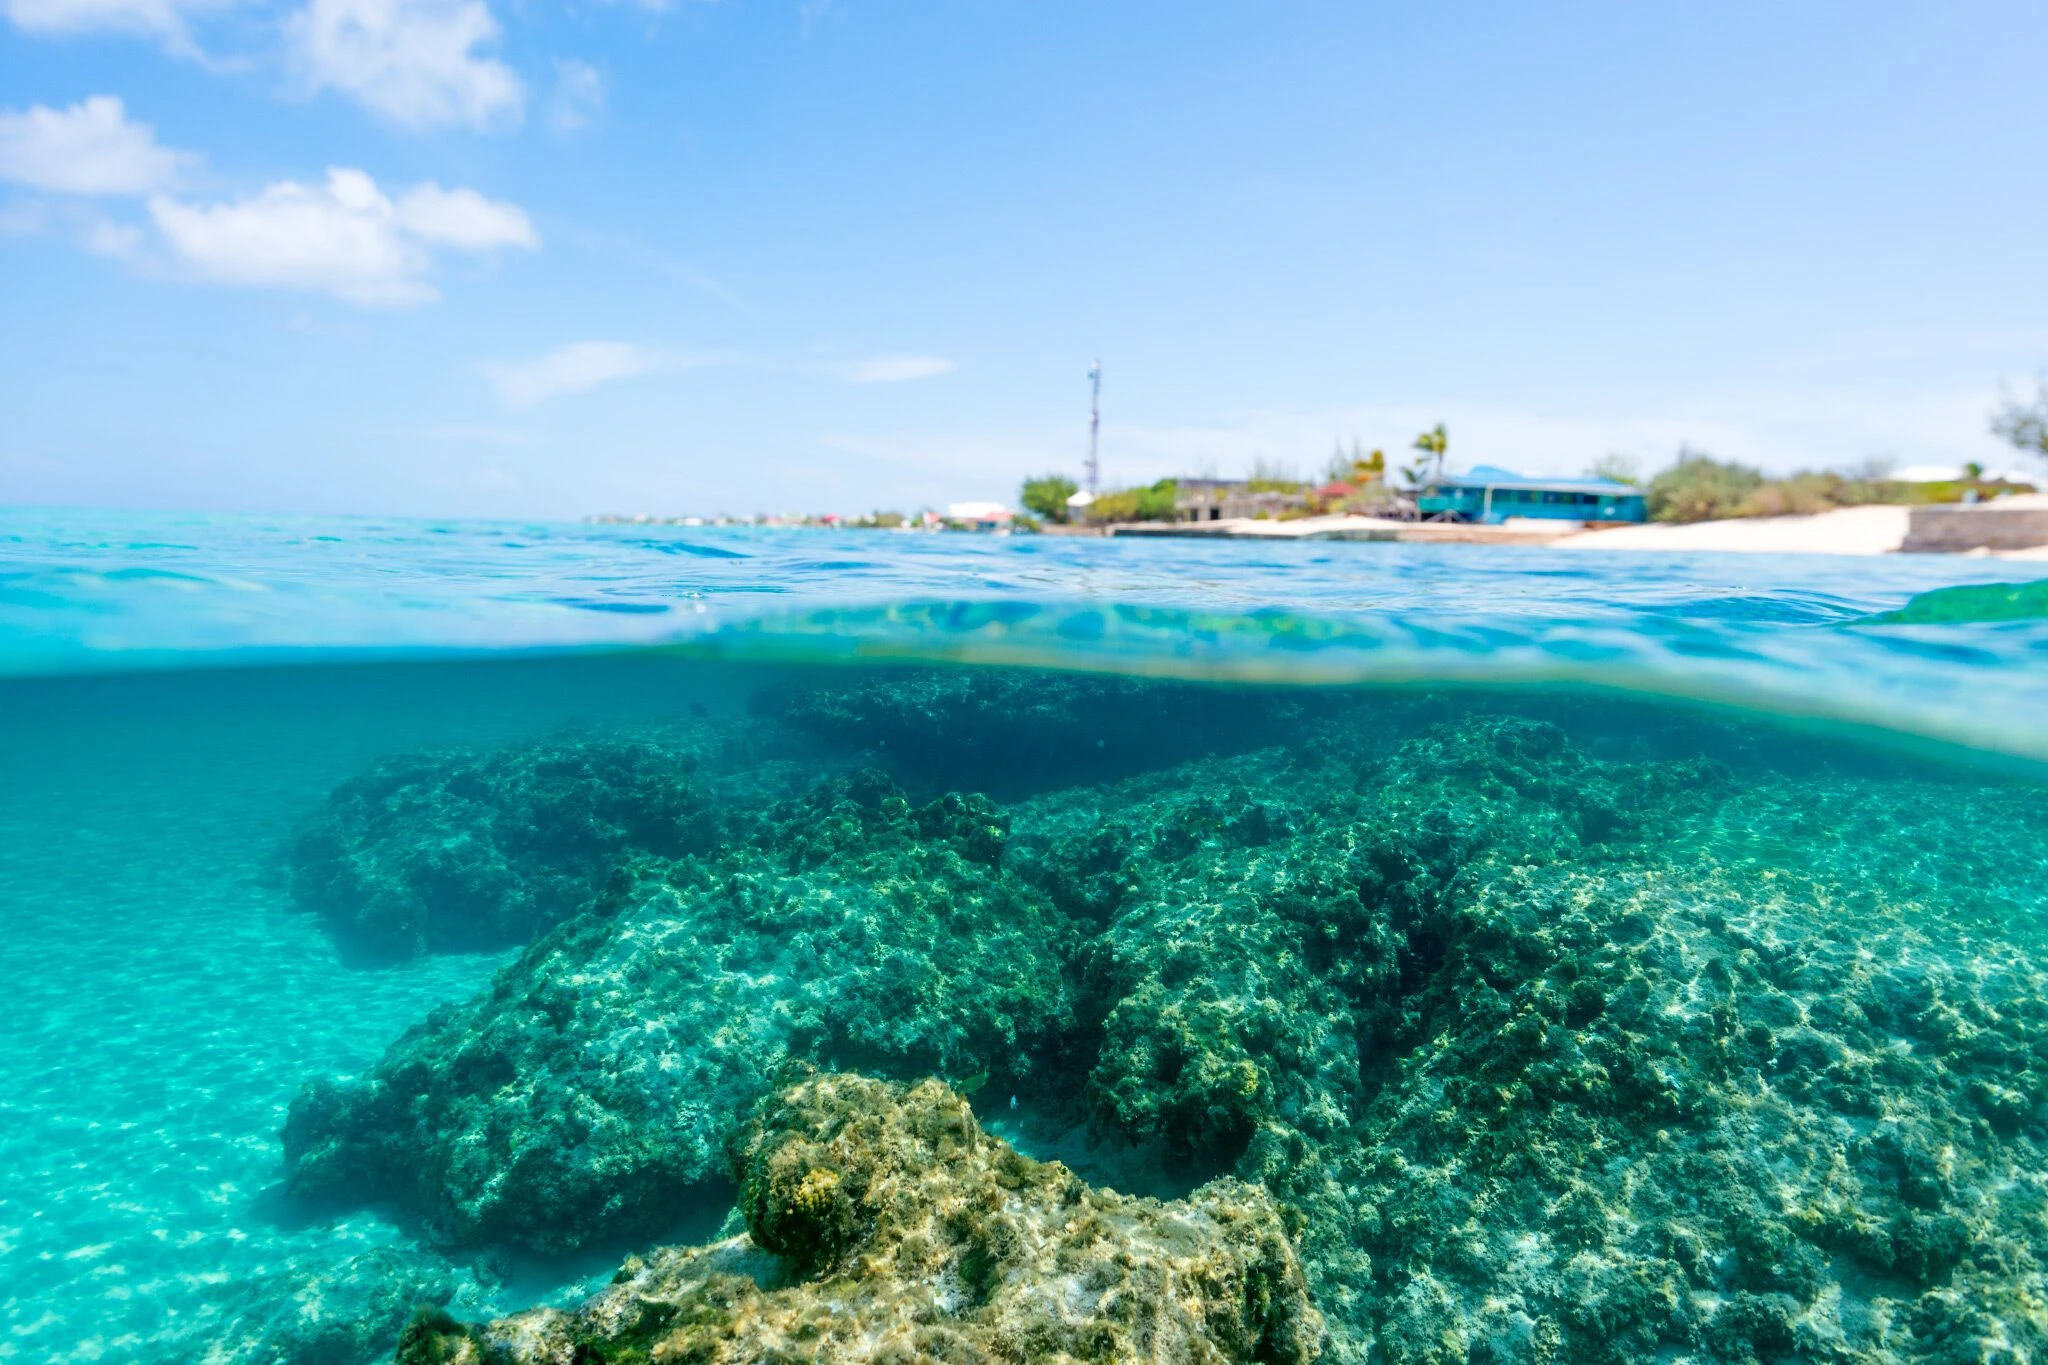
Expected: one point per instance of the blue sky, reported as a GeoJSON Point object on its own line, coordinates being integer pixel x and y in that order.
{"type": "Point", "coordinates": [531, 257]}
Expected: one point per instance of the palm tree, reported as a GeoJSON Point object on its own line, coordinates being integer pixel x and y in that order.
{"type": "Point", "coordinates": [1432, 444]}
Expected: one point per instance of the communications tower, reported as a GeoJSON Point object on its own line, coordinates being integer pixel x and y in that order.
{"type": "Point", "coordinates": [1094, 428]}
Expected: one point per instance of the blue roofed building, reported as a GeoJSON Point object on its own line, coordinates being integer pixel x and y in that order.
{"type": "Point", "coordinates": [1491, 495]}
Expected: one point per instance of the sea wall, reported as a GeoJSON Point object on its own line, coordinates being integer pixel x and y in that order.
{"type": "Point", "coordinates": [1953, 530]}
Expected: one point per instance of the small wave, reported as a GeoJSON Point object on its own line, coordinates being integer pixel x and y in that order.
{"type": "Point", "coordinates": [621, 608]}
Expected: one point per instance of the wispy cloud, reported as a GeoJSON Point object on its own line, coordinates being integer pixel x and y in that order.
{"type": "Point", "coordinates": [896, 369]}
{"type": "Point", "coordinates": [119, 241]}
{"type": "Point", "coordinates": [577, 104]}
{"type": "Point", "coordinates": [344, 238]}
{"type": "Point", "coordinates": [622, 248]}
{"type": "Point", "coordinates": [162, 19]}
{"type": "Point", "coordinates": [576, 368]}
{"type": "Point", "coordinates": [93, 147]}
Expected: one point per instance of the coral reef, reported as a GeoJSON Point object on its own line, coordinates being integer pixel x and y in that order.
{"type": "Point", "coordinates": [884, 1225]}
{"type": "Point", "coordinates": [1608, 1040]}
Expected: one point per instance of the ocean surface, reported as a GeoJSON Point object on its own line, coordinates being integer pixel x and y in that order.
{"type": "Point", "coordinates": [369, 941]}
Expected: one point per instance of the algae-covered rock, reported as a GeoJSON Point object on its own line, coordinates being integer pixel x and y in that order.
{"type": "Point", "coordinates": [590, 1091]}
{"type": "Point", "coordinates": [1651, 1110]}
{"type": "Point", "coordinates": [465, 851]}
{"type": "Point", "coordinates": [1268, 930]}
{"type": "Point", "coordinates": [1564, 1058]}
{"type": "Point", "coordinates": [1559, 1043]}
{"type": "Point", "coordinates": [884, 1225]}
{"type": "Point", "coordinates": [1010, 732]}
{"type": "Point", "coordinates": [1968, 604]}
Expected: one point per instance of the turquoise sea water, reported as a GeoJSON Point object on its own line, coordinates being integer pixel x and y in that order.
{"type": "Point", "coordinates": [181, 696]}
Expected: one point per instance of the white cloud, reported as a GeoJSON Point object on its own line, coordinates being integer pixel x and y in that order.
{"type": "Point", "coordinates": [896, 369]}
{"type": "Point", "coordinates": [578, 101]}
{"type": "Point", "coordinates": [343, 238]}
{"type": "Point", "coordinates": [412, 61]}
{"type": "Point", "coordinates": [90, 148]}
{"type": "Point", "coordinates": [576, 368]}
{"type": "Point", "coordinates": [163, 18]}
{"type": "Point", "coordinates": [463, 219]}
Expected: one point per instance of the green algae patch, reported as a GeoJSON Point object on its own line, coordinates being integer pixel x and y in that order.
{"type": "Point", "coordinates": [1969, 604]}
{"type": "Point", "coordinates": [917, 1237]}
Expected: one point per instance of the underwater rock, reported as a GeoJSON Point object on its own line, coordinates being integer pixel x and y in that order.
{"type": "Point", "coordinates": [1557, 1056]}
{"type": "Point", "coordinates": [469, 851]}
{"type": "Point", "coordinates": [1564, 1059]}
{"type": "Point", "coordinates": [1010, 732]}
{"type": "Point", "coordinates": [466, 852]}
{"type": "Point", "coordinates": [589, 1092]}
{"type": "Point", "coordinates": [1967, 604]}
{"type": "Point", "coordinates": [1259, 947]}
{"type": "Point", "coordinates": [884, 1225]}
{"type": "Point", "coordinates": [1650, 1109]}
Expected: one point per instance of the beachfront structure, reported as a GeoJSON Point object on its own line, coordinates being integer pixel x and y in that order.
{"type": "Point", "coordinates": [979, 516]}
{"type": "Point", "coordinates": [1491, 495]}
{"type": "Point", "coordinates": [1225, 499]}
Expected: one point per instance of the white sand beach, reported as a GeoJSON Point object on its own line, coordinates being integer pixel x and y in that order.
{"type": "Point", "coordinates": [1845, 531]}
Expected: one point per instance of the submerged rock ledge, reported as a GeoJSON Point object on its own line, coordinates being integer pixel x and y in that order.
{"type": "Point", "coordinates": [1556, 1044]}
{"type": "Point", "coordinates": [884, 1225]}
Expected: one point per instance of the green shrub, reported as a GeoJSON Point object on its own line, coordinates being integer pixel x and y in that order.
{"type": "Point", "coordinates": [1135, 504]}
{"type": "Point", "coordinates": [1047, 495]}
{"type": "Point", "coordinates": [1807, 492]}
{"type": "Point", "coordinates": [1701, 488]}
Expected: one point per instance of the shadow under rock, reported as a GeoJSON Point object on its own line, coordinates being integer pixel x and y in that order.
{"type": "Point", "coordinates": [521, 1279]}
{"type": "Point", "coordinates": [275, 1206]}
{"type": "Point", "coordinates": [1055, 1133]}
{"type": "Point", "coordinates": [526, 1280]}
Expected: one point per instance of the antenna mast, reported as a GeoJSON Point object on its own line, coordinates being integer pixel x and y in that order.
{"type": "Point", "coordinates": [1094, 427]}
